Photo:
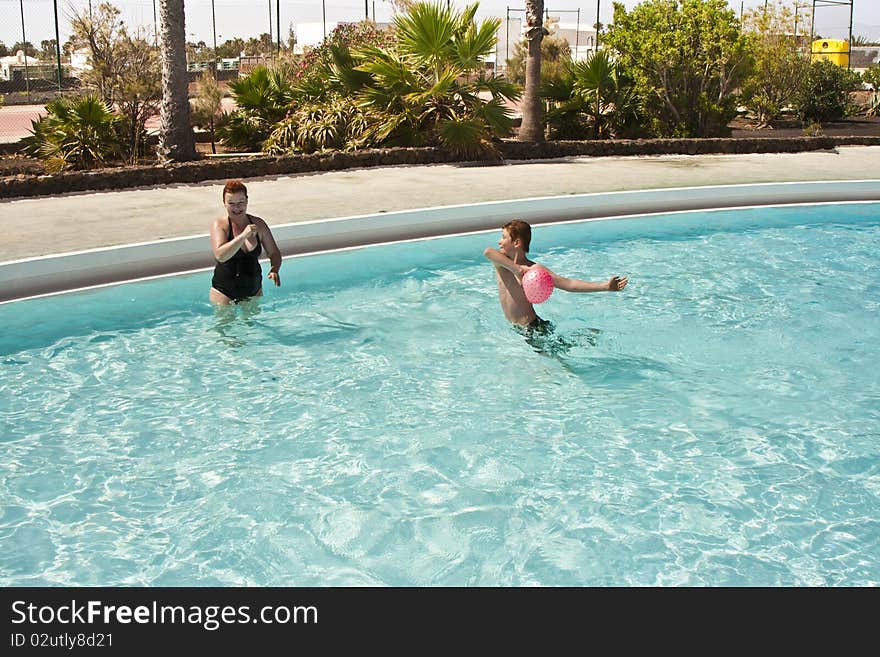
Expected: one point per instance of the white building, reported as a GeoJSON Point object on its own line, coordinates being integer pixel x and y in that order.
{"type": "Point", "coordinates": [309, 35]}
{"type": "Point", "coordinates": [79, 62]}
{"type": "Point", "coordinates": [13, 68]}
{"type": "Point", "coordinates": [579, 35]}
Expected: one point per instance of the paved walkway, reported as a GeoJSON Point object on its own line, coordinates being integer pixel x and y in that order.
{"type": "Point", "coordinates": [43, 226]}
{"type": "Point", "coordinates": [15, 121]}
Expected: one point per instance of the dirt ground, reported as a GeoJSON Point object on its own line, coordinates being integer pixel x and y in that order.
{"type": "Point", "coordinates": [851, 127]}
{"type": "Point", "coordinates": [14, 164]}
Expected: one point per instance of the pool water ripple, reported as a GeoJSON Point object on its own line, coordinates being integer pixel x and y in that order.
{"type": "Point", "coordinates": [376, 421]}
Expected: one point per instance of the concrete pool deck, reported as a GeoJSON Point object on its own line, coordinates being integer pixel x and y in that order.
{"type": "Point", "coordinates": [81, 221]}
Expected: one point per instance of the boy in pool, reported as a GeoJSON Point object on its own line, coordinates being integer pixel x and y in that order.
{"type": "Point", "coordinates": [511, 262]}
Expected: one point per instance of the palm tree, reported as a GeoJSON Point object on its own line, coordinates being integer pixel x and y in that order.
{"type": "Point", "coordinates": [263, 99]}
{"type": "Point", "coordinates": [176, 141]}
{"type": "Point", "coordinates": [76, 133]}
{"type": "Point", "coordinates": [595, 97]}
{"type": "Point", "coordinates": [532, 128]}
{"type": "Point", "coordinates": [429, 88]}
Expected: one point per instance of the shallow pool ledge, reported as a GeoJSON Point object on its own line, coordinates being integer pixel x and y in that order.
{"type": "Point", "coordinates": [69, 271]}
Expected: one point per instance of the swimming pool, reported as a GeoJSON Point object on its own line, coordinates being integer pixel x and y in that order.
{"type": "Point", "coordinates": [376, 421]}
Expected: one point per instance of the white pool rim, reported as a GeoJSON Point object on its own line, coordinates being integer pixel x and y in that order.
{"type": "Point", "coordinates": [52, 274]}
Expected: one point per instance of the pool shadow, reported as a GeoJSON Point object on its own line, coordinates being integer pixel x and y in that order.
{"type": "Point", "coordinates": [240, 325]}
{"type": "Point", "coordinates": [581, 353]}
{"type": "Point", "coordinates": [234, 322]}
{"type": "Point", "coordinates": [548, 341]}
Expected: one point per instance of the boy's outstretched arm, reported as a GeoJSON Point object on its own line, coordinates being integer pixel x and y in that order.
{"type": "Point", "coordinates": [613, 284]}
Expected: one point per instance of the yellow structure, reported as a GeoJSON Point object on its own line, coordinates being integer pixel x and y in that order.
{"type": "Point", "coordinates": [834, 50]}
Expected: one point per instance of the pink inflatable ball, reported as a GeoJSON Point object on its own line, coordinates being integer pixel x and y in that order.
{"type": "Point", "coordinates": [537, 284]}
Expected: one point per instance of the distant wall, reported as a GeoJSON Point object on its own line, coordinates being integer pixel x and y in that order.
{"type": "Point", "coordinates": [254, 166]}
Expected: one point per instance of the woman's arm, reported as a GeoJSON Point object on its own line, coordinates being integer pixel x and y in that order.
{"type": "Point", "coordinates": [272, 250]}
{"type": "Point", "coordinates": [223, 249]}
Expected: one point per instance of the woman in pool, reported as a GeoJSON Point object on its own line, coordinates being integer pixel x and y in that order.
{"type": "Point", "coordinates": [237, 240]}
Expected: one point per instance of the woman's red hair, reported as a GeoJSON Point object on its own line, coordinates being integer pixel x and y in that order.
{"type": "Point", "coordinates": [234, 187]}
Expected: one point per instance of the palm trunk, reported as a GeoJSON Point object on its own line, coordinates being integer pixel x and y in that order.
{"type": "Point", "coordinates": [532, 128]}
{"type": "Point", "coordinates": [176, 140]}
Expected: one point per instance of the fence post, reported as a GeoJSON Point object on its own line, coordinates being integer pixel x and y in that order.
{"type": "Point", "coordinates": [27, 73]}
{"type": "Point", "coordinates": [57, 47]}
{"type": "Point", "coordinates": [507, 43]}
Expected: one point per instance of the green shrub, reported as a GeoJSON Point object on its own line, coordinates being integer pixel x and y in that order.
{"type": "Point", "coordinates": [78, 133]}
{"type": "Point", "coordinates": [778, 64]}
{"type": "Point", "coordinates": [430, 88]}
{"type": "Point", "coordinates": [689, 58]}
{"type": "Point", "coordinates": [263, 99]}
{"type": "Point", "coordinates": [824, 92]}
{"type": "Point", "coordinates": [422, 84]}
{"type": "Point", "coordinates": [333, 124]}
{"type": "Point", "coordinates": [206, 110]}
{"type": "Point", "coordinates": [872, 77]}
{"type": "Point", "coordinates": [592, 98]}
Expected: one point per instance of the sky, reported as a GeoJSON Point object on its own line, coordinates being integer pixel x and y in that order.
{"type": "Point", "coordinates": [246, 18]}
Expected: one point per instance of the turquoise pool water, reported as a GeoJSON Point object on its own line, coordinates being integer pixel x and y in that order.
{"type": "Point", "coordinates": [376, 421]}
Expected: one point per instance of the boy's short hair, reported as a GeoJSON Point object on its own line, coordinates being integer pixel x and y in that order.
{"type": "Point", "coordinates": [233, 187]}
{"type": "Point", "coordinates": [519, 230]}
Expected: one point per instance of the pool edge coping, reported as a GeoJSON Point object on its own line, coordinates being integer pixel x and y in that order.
{"type": "Point", "coordinates": [68, 272]}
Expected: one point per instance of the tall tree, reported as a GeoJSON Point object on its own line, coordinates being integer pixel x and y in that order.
{"type": "Point", "coordinates": [26, 47]}
{"type": "Point", "coordinates": [689, 58]}
{"type": "Point", "coordinates": [176, 140]}
{"type": "Point", "coordinates": [47, 50]}
{"type": "Point", "coordinates": [124, 71]}
{"type": "Point", "coordinates": [779, 65]}
{"type": "Point", "coordinates": [207, 111]}
{"type": "Point", "coordinates": [100, 34]}
{"type": "Point", "coordinates": [532, 128]}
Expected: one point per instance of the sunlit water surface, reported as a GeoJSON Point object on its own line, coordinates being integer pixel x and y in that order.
{"type": "Point", "coordinates": [376, 421]}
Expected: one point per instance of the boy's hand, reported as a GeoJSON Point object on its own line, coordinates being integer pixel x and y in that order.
{"type": "Point", "coordinates": [617, 283]}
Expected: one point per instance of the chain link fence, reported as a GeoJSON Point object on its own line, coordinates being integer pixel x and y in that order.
{"type": "Point", "coordinates": [34, 68]}
{"type": "Point", "coordinates": [39, 61]}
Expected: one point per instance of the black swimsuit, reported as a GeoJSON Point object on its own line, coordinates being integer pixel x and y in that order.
{"type": "Point", "coordinates": [537, 326]}
{"type": "Point", "coordinates": [239, 277]}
